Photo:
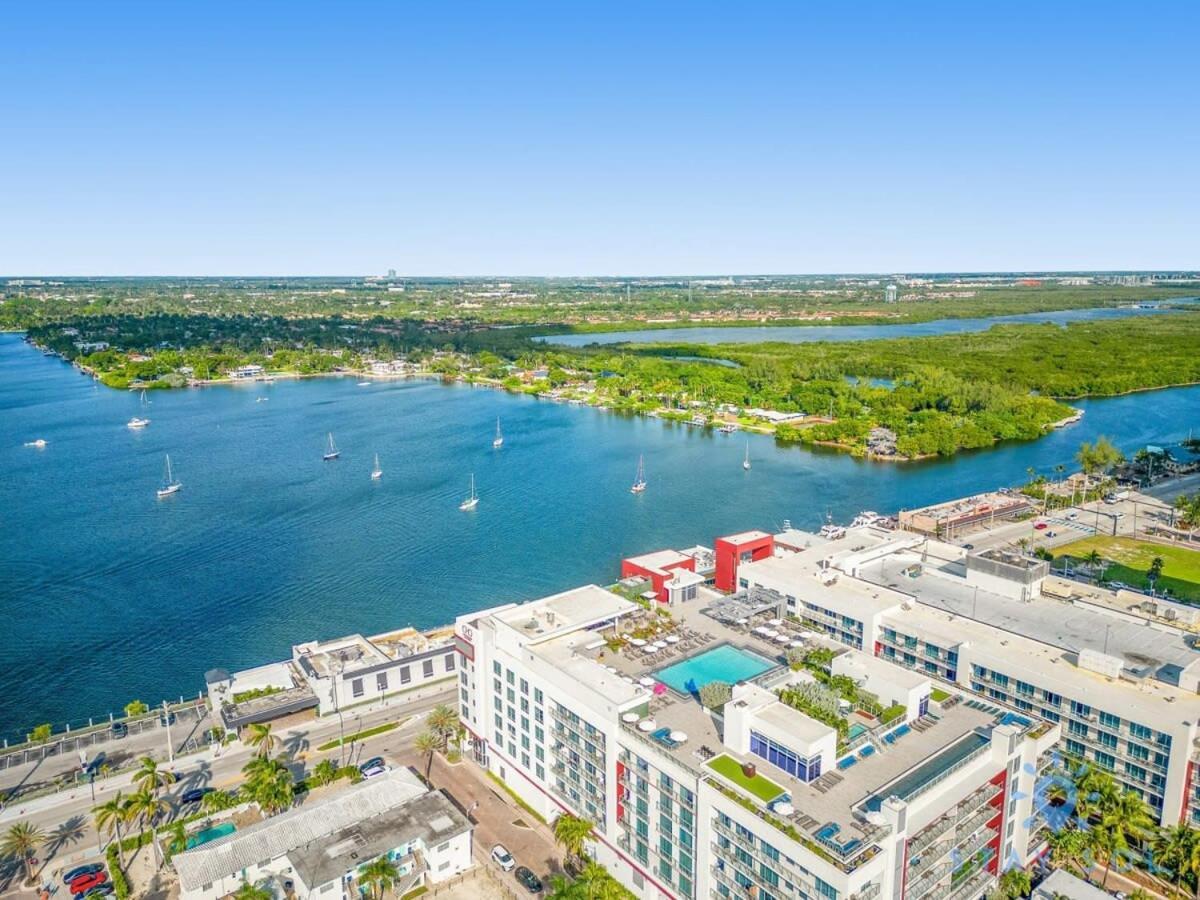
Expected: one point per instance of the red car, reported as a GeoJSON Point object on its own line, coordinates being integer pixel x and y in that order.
{"type": "Point", "coordinates": [87, 882]}
{"type": "Point", "coordinates": [1039, 526]}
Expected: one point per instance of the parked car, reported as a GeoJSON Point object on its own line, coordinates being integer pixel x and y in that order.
{"type": "Point", "coordinates": [1039, 526]}
{"type": "Point", "coordinates": [100, 890]}
{"type": "Point", "coordinates": [84, 883]}
{"type": "Point", "coordinates": [1051, 534]}
{"type": "Point", "coordinates": [80, 871]}
{"type": "Point", "coordinates": [968, 546]}
{"type": "Point", "coordinates": [371, 763]}
{"type": "Point", "coordinates": [195, 795]}
{"type": "Point", "coordinates": [119, 730]}
{"type": "Point", "coordinates": [502, 858]}
{"type": "Point", "coordinates": [168, 719]}
{"type": "Point", "coordinates": [528, 880]}
{"type": "Point", "coordinates": [92, 766]}
{"type": "Point", "coordinates": [375, 770]}
{"type": "Point", "coordinates": [1072, 515]}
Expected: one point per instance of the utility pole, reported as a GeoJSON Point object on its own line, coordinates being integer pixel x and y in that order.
{"type": "Point", "coordinates": [339, 668]}
{"type": "Point", "coordinates": [167, 722]}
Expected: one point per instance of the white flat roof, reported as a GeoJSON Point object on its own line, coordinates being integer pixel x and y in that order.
{"type": "Point", "coordinates": [659, 559]}
{"type": "Point", "coordinates": [800, 576]}
{"type": "Point", "coordinates": [744, 537]}
{"type": "Point", "coordinates": [560, 613]}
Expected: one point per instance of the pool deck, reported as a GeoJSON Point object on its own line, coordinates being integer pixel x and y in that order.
{"type": "Point", "coordinates": [843, 792]}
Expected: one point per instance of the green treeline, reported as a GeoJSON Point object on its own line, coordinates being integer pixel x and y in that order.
{"type": "Point", "coordinates": [931, 395]}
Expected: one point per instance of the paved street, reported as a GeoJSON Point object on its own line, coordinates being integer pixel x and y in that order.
{"type": "Point", "coordinates": [66, 818]}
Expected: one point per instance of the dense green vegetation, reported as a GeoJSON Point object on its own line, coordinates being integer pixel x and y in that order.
{"type": "Point", "coordinates": [569, 304]}
{"type": "Point", "coordinates": [897, 398]}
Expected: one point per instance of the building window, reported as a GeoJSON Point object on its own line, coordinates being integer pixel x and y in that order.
{"type": "Point", "coordinates": [381, 681]}
{"type": "Point", "coordinates": [356, 687]}
{"type": "Point", "coordinates": [495, 667]}
{"type": "Point", "coordinates": [449, 662]}
{"type": "Point", "coordinates": [427, 668]}
{"type": "Point", "coordinates": [405, 675]}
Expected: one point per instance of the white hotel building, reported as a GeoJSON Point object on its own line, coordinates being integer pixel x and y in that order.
{"type": "Point", "coordinates": [763, 800]}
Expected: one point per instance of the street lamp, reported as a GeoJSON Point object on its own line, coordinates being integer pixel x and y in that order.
{"type": "Point", "coordinates": [339, 667]}
{"type": "Point", "coordinates": [166, 717]}
{"type": "Point", "coordinates": [91, 780]}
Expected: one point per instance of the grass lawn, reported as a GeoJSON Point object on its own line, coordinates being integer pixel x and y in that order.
{"type": "Point", "coordinates": [1128, 559]}
{"type": "Point", "coordinates": [760, 786]}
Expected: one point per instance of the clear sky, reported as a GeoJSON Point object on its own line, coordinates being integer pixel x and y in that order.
{"type": "Point", "coordinates": [607, 138]}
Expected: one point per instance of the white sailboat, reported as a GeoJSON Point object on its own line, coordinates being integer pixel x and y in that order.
{"type": "Point", "coordinates": [137, 421]}
{"type": "Point", "coordinates": [746, 461]}
{"type": "Point", "coordinates": [170, 485]}
{"type": "Point", "coordinates": [333, 452]}
{"type": "Point", "coordinates": [498, 440]}
{"type": "Point", "coordinates": [472, 500]}
{"type": "Point", "coordinates": [639, 483]}
{"type": "Point", "coordinates": [376, 473]}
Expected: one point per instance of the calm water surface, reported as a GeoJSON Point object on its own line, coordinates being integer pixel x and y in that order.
{"type": "Point", "coordinates": [807, 334]}
{"type": "Point", "coordinates": [108, 593]}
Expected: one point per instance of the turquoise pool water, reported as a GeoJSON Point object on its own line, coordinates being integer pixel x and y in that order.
{"type": "Point", "coordinates": [211, 834]}
{"type": "Point", "coordinates": [856, 729]}
{"type": "Point", "coordinates": [725, 663]}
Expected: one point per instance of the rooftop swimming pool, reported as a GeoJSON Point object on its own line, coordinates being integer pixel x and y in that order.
{"type": "Point", "coordinates": [908, 786]}
{"type": "Point", "coordinates": [724, 663]}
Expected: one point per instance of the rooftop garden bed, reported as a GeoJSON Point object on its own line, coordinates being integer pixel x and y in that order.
{"type": "Point", "coordinates": [760, 786]}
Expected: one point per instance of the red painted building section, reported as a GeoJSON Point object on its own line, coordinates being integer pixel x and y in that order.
{"type": "Point", "coordinates": [736, 549]}
{"type": "Point", "coordinates": [657, 567]}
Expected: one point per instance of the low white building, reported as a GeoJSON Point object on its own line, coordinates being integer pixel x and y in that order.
{"type": "Point", "coordinates": [317, 850]}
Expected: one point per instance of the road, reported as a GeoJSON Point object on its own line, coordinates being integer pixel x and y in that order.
{"type": "Point", "coordinates": [66, 818]}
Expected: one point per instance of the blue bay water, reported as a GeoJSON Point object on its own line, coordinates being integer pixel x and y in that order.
{"type": "Point", "coordinates": [807, 334]}
{"type": "Point", "coordinates": [108, 593]}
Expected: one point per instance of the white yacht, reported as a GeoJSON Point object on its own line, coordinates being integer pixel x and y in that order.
{"type": "Point", "coordinates": [333, 452]}
{"type": "Point", "coordinates": [498, 440]}
{"type": "Point", "coordinates": [376, 473]}
{"type": "Point", "coordinates": [746, 461]}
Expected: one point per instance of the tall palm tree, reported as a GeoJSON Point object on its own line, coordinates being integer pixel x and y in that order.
{"type": "Point", "coordinates": [380, 874]}
{"type": "Point", "coordinates": [1173, 852]}
{"type": "Point", "coordinates": [269, 784]}
{"type": "Point", "coordinates": [572, 833]}
{"type": "Point", "coordinates": [443, 722]}
{"type": "Point", "coordinates": [145, 807]}
{"type": "Point", "coordinates": [1127, 818]}
{"type": "Point", "coordinates": [262, 740]}
{"type": "Point", "coordinates": [150, 777]}
{"type": "Point", "coordinates": [109, 816]}
{"type": "Point", "coordinates": [1015, 882]}
{"type": "Point", "coordinates": [21, 840]}
{"type": "Point", "coordinates": [218, 801]}
{"type": "Point", "coordinates": [426, 743]}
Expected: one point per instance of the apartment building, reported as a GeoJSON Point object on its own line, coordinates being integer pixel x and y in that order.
{"type": "Point", "coordinates": [576, 711]}
{"type": "Point", "coordinates": [1115, 671]}
{"type": "Point", "coordinates": [334, 675]}
{"type": "Point", "coordinates": [316, 851]}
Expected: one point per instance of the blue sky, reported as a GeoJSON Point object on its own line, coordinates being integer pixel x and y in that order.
{"type": "Point", "coordinates": [572, 138]}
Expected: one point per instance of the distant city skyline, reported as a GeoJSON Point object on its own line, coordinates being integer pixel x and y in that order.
{"type": "Point", "coordinates": [588, 141]}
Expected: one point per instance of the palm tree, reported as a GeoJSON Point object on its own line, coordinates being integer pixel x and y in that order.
{"type": "Point", "coordinates": [1094, 559]}
{"type": "Point", "coordinates": [269, 784]}
{"type": "Point", "coordinates": [21, 840]}
{"type": "Point", "coordinates": [1068, 849]}
{"type": "Point", "coordinates": [249, 891]}
{"type": "Point", "coordinates": [443, 722]}
{"type": "Point", "coordinates": [218, 801]}
{"type": "Point", "coordinates": [426, 743]}
{"type": "Point", "coordinates": [1125, 817]}
{"type": "Point", "coordinates": [325, 772]}
{"type": "Point", "coordinates": [572, 833]}
{"type": "Point", "coordinates": [1015, 882]}
{"type": "Point", "coordinates": [150, 777]}
{"type": "Point", "coordinates": [260, 737]}
{"type": "Point", "coordinates": [146, 807]}
{"type": "Point", "coordinates": [381, 874]}
{"type": "Point", "coordinates": [1173, 852]}
{"type": "Point", "coordinates": [109, 816]}
{"type": "Point", "coordinates": [178, 842]}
